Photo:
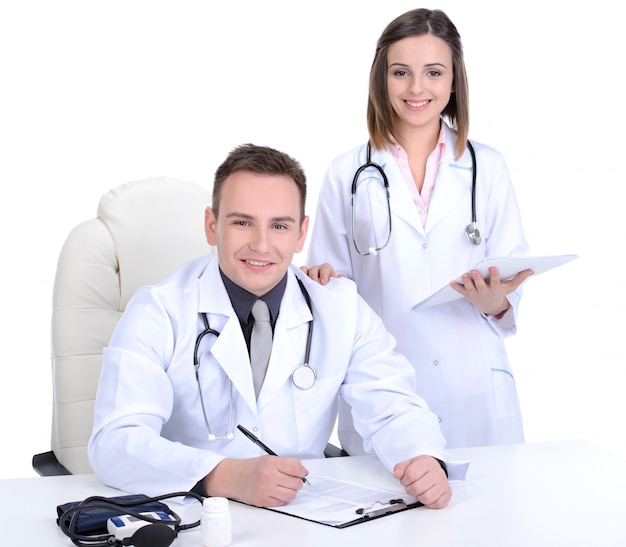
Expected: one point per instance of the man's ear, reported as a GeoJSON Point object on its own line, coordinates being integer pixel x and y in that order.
{"type": "Point", "coordinates": [302, 235]}
{"type": "Point", "coordinates": [210, 226]}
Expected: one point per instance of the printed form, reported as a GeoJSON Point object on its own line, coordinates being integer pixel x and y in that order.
{"type": "Point", "coordinates": [340, 503]}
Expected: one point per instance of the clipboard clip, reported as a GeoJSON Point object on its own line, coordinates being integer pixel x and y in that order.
{"type": "Point", "coordinates": [387, 507]}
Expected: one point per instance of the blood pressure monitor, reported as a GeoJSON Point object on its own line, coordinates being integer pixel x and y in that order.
{"type": "Point", "coordinates": [124, 526]}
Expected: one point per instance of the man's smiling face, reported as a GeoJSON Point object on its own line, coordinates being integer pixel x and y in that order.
{"type": "Point", "coordinates": [258, 229]}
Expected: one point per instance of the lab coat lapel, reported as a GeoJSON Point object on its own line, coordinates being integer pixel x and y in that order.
{"type": "Point", "coordinates": [453, 182]}
{"type": "Point", "coordinates": [229, 349]}
{"type": "Point", "coordinates": [289, 343]}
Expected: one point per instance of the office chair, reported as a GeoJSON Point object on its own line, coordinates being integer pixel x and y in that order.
{"type": "Point", "coordinates": [143, 231]}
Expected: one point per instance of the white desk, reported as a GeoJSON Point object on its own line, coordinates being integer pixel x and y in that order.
{"type": "Point", "coordinates": [562, 494]}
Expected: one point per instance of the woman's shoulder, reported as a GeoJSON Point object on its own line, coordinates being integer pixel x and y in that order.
{"type": "Point", "coordinates": [349, 155]}
{"type": "Point", "coordinates": [485, 153]}
{"type": "Point", "coordinates": [353, 158]}
{"type": "Point", "coordinates": [485, 149]}
{"type": "Point", "coordinates": [480, 147]}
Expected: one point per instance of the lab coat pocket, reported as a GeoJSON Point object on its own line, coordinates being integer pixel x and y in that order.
{"type": "Point", "coordinates": [315, 411]}
{"type": "Point", "coordinates": [504, 393]}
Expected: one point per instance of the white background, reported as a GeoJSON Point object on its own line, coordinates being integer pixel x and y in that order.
{"type": "Point", "coordinates": [97, 93]}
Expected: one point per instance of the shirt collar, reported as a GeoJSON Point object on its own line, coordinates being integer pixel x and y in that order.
{"type": "Point", "coordinates": [440, 147]}
{"type": "Point", "coordinates": [242, 300]}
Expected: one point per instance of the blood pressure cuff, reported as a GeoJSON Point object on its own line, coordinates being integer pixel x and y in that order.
{"type": "Point", "coordinates": [93, 520]}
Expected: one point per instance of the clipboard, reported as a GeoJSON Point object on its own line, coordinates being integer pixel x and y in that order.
{"type": "Point", "coordinates": [508, 267]}
{"type": "Point", "coordinates": [341, 504]}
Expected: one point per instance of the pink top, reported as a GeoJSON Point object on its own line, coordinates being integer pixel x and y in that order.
{"type": "Point", "coordinates": [422, 200]}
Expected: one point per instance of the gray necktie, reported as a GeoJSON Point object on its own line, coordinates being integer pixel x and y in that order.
{"type": "Point", "coordinates": [260, 343]}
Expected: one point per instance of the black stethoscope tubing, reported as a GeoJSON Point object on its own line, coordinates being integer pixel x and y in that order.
{"type": "Point", "coordinates": [355, 180]}
{"type": "Point", "coordinates": [228, 434]}
{"type": "Point", "coordinates": [471, 231]}
{"type": "Point", "coordinates": [473, 154]}
{"type": "Point", "coordinates": [310, 376]}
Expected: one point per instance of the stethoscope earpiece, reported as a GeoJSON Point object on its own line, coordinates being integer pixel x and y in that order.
{"type": "Point", "coordinates": [229, 436]}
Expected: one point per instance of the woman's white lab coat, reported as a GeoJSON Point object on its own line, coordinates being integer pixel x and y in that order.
{"type": "Point", "coordinates": [462, 368]}
{"type": "Point", "coordinates": [150, 434]}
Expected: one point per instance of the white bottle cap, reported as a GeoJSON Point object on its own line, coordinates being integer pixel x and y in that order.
{"type": "Point", "coordinates": [215, 505]}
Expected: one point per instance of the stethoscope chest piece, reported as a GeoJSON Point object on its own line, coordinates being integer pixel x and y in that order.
{"type": "Point", "coordinates": [473, 233]}
{"type": "Point", "coordinates": [304, 377]}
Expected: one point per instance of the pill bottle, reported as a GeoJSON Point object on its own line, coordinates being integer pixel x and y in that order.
{"type": "Point", "coordinates": [216, 523]}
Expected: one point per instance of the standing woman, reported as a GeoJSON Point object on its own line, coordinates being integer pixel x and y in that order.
{"type": "Point", "coordinates": [399, 251]}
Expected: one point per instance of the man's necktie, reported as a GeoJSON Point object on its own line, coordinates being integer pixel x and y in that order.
{"type": "Point", "coordinates": [260, 343]}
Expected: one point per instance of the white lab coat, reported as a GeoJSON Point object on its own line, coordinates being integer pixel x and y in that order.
{"type": "Point", "coordinates": [149, 433]}
{"type": "Point", "coordinates": [459, 356]}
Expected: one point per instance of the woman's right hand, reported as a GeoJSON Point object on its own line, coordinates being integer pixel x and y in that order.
{"type": "Point", "coordinates": [321, 273]}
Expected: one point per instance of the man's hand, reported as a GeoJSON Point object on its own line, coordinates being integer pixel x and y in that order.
{"type": "Point", "coordinates": [424, 478]}
{"type": "Point", "coordinates": [321, 273]}
{"type": "Point", "coordinates": [489, 296]}
{"type": "Point", "coordinates": [267, 481]}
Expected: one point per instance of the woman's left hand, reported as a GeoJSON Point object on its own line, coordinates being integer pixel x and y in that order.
{"type": "Point", "coordinates": [489, 295]}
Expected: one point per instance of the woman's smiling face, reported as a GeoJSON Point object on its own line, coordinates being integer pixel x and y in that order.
{"type": "Point", "coordinates": [420, 78]}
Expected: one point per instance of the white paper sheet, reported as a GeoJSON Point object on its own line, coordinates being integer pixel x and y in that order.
{"type": "Point", "coordinates": [508, 267]}
{"type": "Point", "coordinates": [334, 502]}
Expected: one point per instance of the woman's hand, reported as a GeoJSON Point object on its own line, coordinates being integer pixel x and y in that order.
{"type": "Point", "coordinates": [489, 295]}
{"type": "Point", "coordinates": [321, 273]}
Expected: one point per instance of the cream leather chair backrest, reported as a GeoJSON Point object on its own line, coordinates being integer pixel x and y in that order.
{"type": "Point", "coordinates": [143, 231]}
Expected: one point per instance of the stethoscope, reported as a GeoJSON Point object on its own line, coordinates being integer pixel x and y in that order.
{"type": "Point", "coordinates": [303, 377]}
{"type": "Point", "coordinates": [471, 231]}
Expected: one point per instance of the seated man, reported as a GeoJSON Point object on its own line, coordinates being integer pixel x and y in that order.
{"type": "Point", "coordinates": [181, 371]}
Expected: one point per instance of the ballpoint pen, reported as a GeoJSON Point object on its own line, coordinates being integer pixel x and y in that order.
{"type": "Point", "coordinates": [260, 444]}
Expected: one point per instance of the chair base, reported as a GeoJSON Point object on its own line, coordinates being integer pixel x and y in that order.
{"type": "Point", "coordinates": [333, 451]}
{"type": "Point", "coordinates": [47, 465]}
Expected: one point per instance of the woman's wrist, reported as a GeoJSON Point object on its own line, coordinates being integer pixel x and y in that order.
{"type": "Point", "coordinates": [500, 314]}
